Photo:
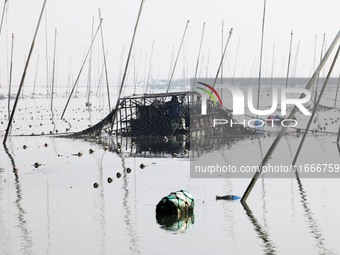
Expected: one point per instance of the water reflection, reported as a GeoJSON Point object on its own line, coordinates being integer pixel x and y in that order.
{"type": "Point", "coordinates": [130, 225]}
{"type": "Point", "coordinates": [312, 223]}
{"type": "Point", "coordinates": [26, 245]}
{"type": "Point", "coordinates": [102, 205]}
{"type": "Point", "coordinates": [262, 233]}
{"type": "Point", "coordinates": [176, 223]}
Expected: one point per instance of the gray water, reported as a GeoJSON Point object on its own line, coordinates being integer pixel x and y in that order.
{"type": "Point", "coordinates": [54, 209]}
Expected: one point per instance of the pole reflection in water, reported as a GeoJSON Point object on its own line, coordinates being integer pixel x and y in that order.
{"type": "Point", "coordinates": [130, 225]}
{"type": "Point", "coordinates": [269, 247]}
{"type": "Point", "coordinates": [312, 223]}
{"type": "Point", "coordinates": [4, 249]}
{"type": "Point", "coordinates": [102, 205]}
{"type": "Point", "coordinates": [26, 245]}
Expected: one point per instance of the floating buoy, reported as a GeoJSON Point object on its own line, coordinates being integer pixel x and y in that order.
{"type": "Point", "coordinates": [95, 185]}
{"type": "Point", "coordinates": [91, 151]}
{"type": "Point", "coordinates": [258, 123]}
{"type": "Point", "coordinates": [118, 175]}
{"type": "Point", "coordinates": [24, 147]}
{"type": "Point", "coordinates": [142, 166]}
{"type": "Point", "coordinates": [45, 144]}
{"type": "Point", "coordinates": [176, 203]}
{"type": "Point", "coordinates": [228, 197]}
{"type": "Point", "coordinates": [36, 165]}
{"type": "Point", "coordinates": [128, 170]}
{"type": "Point", "coordinates": [109, 180]}
{"type": "Point", "coordinates": [79, 154]}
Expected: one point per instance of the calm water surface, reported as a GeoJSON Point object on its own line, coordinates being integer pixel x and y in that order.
{"type": "Point", "coordinates": [54, 209]}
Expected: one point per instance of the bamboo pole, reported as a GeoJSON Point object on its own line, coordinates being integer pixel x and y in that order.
{"type": "Point", "coordinates": [53, 70]}
{"type": "Point", "coordinates": [315, 108]}
{"type": "Point", "coordinates": [81, 69]}
{"type": "Point", "coordinates": [261, 53]}
{"type": "Point", "coordinates": [24, 74]}
{"type": "Point", "coordinates": [10, 78]}
{"type": "Point", "coordinates": [127, 63]}
{"type": "Point", "coordinates": [317, 80]}
{"type": "Point", "coordinates": [222, 58]}
{"type": "Point", "coordinates": [89, 77]}
{"type": "Point", "coordinates": [3, 15]}
{"type": "Point", "coordinates": [35, 76]}
{"type": "Point", "coordinates": [179, 51]}
{"type": "Point", "coordinates": [336, 93]}
{"type": "Point", "coordinates": [292, 114]}
{"type": "Point", "coordinates": [198, 57]}
{"type": "Point", "coordinates": [150, 67]}
{"type": "Point", "coordinates": [289, 56]}
{"type": "Point", "coordinates": [130, 50]}
{"type": "Point", "coordinates": [105, 65]}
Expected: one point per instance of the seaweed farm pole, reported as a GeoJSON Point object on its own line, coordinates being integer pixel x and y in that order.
{"type": "Point", "coordinates": [2, 16]}
{"type": "Point", "coordinates": [105, 65]}
{"type": "Point", "coordinates": [272, 71]}
{"type": "Point", "coordinates": [336, 93]}
{"type": "Point", "coordinates": [315, 107]}
{"type": "Point", "coordinates": [338, 139]}
{"type": "Point", "coordinates": [289, 56]}
{"type": "Point", "coordinates": [150, 68]}
{"type": "Point", "coordinates": [35, 76]}
{"type": "Point", "coordinates": [198, 58]}
{"type": "Point", "coordinates": [89, 77]}
{"type": "Point", "coordinates": [223, 54]}
{"type": "Point", "coordinates": [127, 61]}
{"type": "Point", "coordinates": [10, 77]}
{"type": "Point", "coordinates": [317, 81]}
{"type": "Point", "coordinates": [292, 114]}
{"type": "Point", "coordinates": [53, 70]}
{"type": "Point", "coordinates": [81, 69]}
{"type": "Point", "coordinates": [261, 53]}
{"type": "Point", "coordinates": [24, 74]}
{"type": "Point", "coordinates": [46, 56]}
{"type": "Point", "coordinates": [179, 51]}
{"type": "Point", "coordinates": [130, 51]}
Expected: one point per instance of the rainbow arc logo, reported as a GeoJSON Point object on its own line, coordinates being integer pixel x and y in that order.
{"type": "Point", "coordinates": [210, 91]}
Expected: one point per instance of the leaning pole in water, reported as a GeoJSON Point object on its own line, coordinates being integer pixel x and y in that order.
{"type": "Point", "coordinates": [316, 105]}
{"type": "Point", "coordinates": [81, 69]}
{"type": "Point", "coordinates": [128, 60]}
{"type": "Point", "coordinates": [292, 114]}
{"type": "Point", "coordinates": [24, 74]}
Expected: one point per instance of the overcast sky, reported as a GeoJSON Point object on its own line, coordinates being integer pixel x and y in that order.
{"type": "Point", "coordinates": [163, 22]}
